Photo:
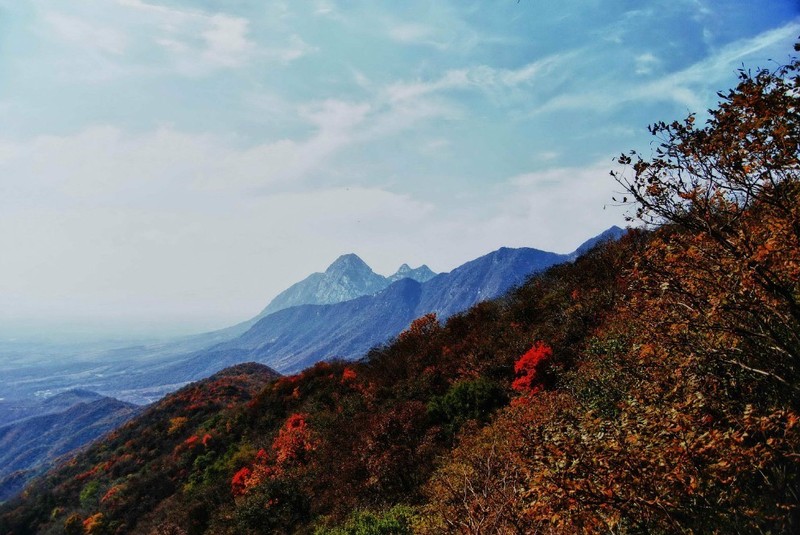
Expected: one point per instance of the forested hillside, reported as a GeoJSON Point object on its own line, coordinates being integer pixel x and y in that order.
{"type": "Point", "coordinates": [649, 387]}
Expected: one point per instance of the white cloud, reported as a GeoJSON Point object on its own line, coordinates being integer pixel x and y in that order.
{"type": "Point", "coordinates": [86, 35]}
{"type": "Point", "coordinates": [415, 33]}
{"type": "Point", "coordinates": [560, 205]}
{"type": "Point", "coordinates": [453, 79]}
{"type": "Point", "coordinates": [435, 146]}
{"type": "Point", "coordinates": [295, 49]}
{"type": "Point", "coordinates": [411, 32]}
{"type": "Point", "coordinates": [442, 26]}
{"type": "Point", "coordinates": [327, 8]}
{"type": "Point", "coordinates": [335, 115]}
{"type": "Point", "coordinates": [226, 40]}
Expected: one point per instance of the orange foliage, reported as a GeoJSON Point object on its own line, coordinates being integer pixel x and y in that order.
{"type": "Point", "coordinates": [293, 442]}
{"type": "Point", "coordinates": [349, 374]}
{"type": "Point", "coordinates": [93, 524]}
{"type": "Point", "coordinates": [110, 494]}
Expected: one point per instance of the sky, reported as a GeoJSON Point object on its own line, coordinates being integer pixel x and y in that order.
{"type": "Point", "coordinates": [169, 164]}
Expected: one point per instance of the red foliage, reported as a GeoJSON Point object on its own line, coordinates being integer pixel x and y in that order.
{"type": "Point", "coordinates": [250, 477]}
{"type": "Point", "coordinates": [421, 327]}
{"type": "Point", "coordinates": [206, 438]}
{"type": "Point", "coordinates": [528, 368]}
{"type": "Point", "coordinates": [239, 481]}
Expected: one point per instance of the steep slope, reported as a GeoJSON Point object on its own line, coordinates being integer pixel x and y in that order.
{"type": "Point", "coordinates": [29, 447]}
{"type": "Point", "coordinates": [481, 279]}
{"type": "Point", "coordinates": [145, 457]}
{"type": "Point", "coordinates": [297, 337]}
{"type": "Point", "coordinates": [613, 233]}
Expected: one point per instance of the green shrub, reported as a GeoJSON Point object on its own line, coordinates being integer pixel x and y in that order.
{"type": "Point", "coordinates": [466, 400]}
{"type": "Point", "coordinates": [396, 521]}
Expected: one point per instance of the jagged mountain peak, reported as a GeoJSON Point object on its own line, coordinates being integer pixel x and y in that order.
{"type": "Point", "coordinates": [420, 274]}
{"type": "Point", "coordinates": [348, 263]}
{"type": "Point", "coordinates": [346, 278]}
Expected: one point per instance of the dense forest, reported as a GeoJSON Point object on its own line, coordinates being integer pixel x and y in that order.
{"type": "Point", "coordinates": [651, 386]}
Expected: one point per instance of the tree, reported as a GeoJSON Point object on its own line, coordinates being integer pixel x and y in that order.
{"type": "Point", "coordinates": [728, 195]}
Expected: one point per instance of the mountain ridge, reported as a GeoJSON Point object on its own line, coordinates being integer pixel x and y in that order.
{"type": "Point", "coordinates": [346, 278]}
{"type": "Point", "coordinates": [28, 447]}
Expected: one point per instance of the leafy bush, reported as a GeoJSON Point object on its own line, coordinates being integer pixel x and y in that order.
{"type": "Point", "coordinates": [396, 521]}
{"type": "Point", "coordinates": [466, 400]}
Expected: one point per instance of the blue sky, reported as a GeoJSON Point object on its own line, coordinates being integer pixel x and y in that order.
{"type": "Point", "coordinates": [178, 163]}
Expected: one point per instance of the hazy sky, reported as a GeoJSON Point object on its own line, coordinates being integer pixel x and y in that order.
{"type": "Point", "coordinates": [180, 162]}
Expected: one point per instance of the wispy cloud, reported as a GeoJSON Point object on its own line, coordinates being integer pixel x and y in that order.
{"type": "Point", "coordinates": [645, 63]}
{"type": "Point", "coordinates": [412, 32]}
{"type": "Point", "coordinates": [690, 87]}
{"type": "Point", "coordinates": [197, 40]}
{"type": "Point", "coordinates": [138, 37]}
{"type": "Point", "coordinates": [107, 165]}
{"type": "Point", "coordinates": [481, 78]}
{"type": "Point", "coordinates": [295, 49]}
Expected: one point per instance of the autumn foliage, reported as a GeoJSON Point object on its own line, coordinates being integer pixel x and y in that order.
{"type": "Point", "coordinates": [529, 368]}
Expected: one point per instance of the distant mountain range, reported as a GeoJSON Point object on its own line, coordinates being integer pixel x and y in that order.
{"type": "Point", "coordinates": [303, 324]}
{"type": "Point", "coordinates": [30, 446]}
{"type": "Point", "coordinates": [320, 324]}
{"type": "Point", "coordinates": [14, 411]}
